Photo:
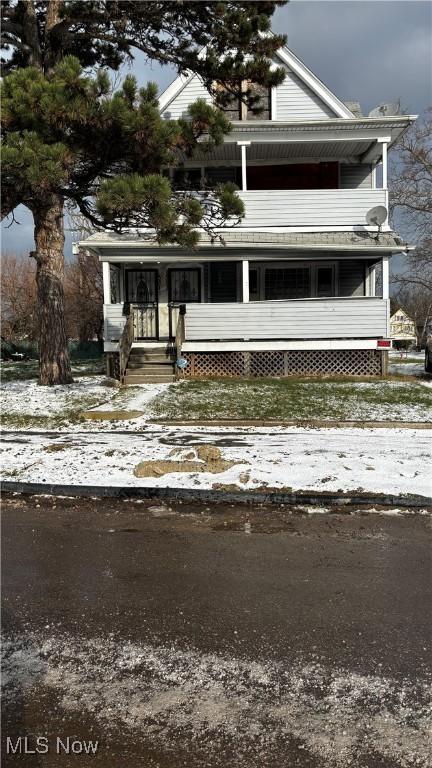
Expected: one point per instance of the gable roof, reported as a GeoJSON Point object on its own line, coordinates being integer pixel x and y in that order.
{"type": "Point", "coordinates": [401, 311]}
{"type": "Point", "coordinates": [293, 63]}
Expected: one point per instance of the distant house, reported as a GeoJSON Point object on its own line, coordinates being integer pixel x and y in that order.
{"type": "Point", "coordinates": [301, 284]}
{"type": "Point", "coordinates": [402, 327]}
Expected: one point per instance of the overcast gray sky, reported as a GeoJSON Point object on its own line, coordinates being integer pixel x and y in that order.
{"type": "Point", "coordinates": [367, 50]}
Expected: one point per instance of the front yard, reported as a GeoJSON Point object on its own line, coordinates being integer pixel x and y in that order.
{"type": "Point", "coordinates": [28, 406]}
{"type": "Point", "coordinates": [94, 433]}
{"type": "Point", "coordinates": [296, 399]}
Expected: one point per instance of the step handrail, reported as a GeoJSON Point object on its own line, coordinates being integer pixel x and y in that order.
{"type": "Point", "coordinates": [180, 336]}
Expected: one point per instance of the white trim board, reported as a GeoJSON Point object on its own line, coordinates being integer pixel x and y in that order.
{"type": "Point", "coordinates": [266, 346]}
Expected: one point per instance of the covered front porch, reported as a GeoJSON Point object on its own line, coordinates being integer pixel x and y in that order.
{"type": "Point", "coordinates": [247, 299]}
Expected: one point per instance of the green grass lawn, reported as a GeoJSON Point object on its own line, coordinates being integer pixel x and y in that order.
{"type": "Point", "coordinates": [296, 399]}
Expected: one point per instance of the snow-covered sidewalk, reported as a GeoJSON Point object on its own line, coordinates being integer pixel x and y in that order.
{"type": "Point", "coordinates": [392, 461]}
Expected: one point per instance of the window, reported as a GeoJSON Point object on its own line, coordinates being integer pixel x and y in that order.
{"type": "Point", "coordinates": [115, 284]}
{"type": "Point", "coordinates": [187, 178]}
{"type": "Point", "coordinates": [223, 174]}
{"type": "Point", "coordinates": [262, 107]}
{"type": "Point", "coordinates": [236, 109]}
{"type": "Point", "coordinates": [184, 285]}
{"type": "Point", "coordinates": [325, 281]}
{"type": "Point", "coordinates": [141, 286]}
{"type": "Point", "coordinates": [287, 283]}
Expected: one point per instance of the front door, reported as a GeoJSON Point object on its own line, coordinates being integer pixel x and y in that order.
{"type": "Point", "coordinates": [142, 295]}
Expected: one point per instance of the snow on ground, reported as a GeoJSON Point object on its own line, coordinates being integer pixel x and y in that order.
{"type": "Point", "coordinates": [411, 364]}
{"type": "Point", "coordinates": [174, 695]}
{"type": "Point", "coordinates": [101, 453]}
{"type": "Point", "coordinates": [25, 405]}
{"type": "Point", "coordinates": [27, 397]}
{"type": "Point", "coordinates": [395, 461]}
{"type": "Point", "coordinates": [406, 369]}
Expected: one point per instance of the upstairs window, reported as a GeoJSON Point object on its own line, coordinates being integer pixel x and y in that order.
{"type": "Point", "coordinates": [236, 109]}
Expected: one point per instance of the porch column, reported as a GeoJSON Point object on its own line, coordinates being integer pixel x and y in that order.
{"type": "Point", "coordinates": [245, 281]}
{"type": "Point", "coordinates": [372, 278]}
{"type": "Point", "coordinates": [243, 145]}
{"type": "Point", "coordinates": [385, 277]}
{"type": "Point", "coordinates": [106, 282]}
{"type": "Point", "coordinates": [384, 165]}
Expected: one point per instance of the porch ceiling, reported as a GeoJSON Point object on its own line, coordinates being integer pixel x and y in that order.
{"type": "Point", "coordinates": [297, 151]}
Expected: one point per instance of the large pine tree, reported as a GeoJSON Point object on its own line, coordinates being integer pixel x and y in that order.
{"type": "Point", "coordinates": [66, 139]}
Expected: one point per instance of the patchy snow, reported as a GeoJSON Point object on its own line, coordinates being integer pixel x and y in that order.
{"type": "Point", "coordinates": [395, 461]}
{"type": "Point", "coordinates": [28, 398]}
{"type": "Point", "coordinates": [411, 364]}
{"type": "Point", "coordinates": [136, 398]}
{"type": "Point", "coordinates": [104, 453]}
{"type": "Point", "coordinates": [407, 369]}
{"type": "Point", "coordinates": [178, 697]}
{"type": "Point", "coordinates": [29, 405]}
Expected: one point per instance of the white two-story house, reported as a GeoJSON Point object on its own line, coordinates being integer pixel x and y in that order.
{"type": "Point", "coordinates": [301, 285]}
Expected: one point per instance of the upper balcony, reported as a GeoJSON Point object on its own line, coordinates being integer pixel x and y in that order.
{"type": "Point", "coordinates": [301, 185]}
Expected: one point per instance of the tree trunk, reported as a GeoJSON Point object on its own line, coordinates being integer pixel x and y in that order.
{"type": "Point", "coordinates": [54, 365]}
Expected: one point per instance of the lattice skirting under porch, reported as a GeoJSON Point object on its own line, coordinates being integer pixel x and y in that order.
{"type": "Point", "coordinates": [349, 362]}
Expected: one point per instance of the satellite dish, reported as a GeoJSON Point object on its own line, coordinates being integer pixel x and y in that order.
{"type": "Point", "coordinates": [376, 216]}
{"type": "Point", "coordinates": [389, 109]}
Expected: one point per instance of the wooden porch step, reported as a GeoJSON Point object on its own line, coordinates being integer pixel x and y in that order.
{"type": "Point", "coordinates": [148, 378]}
{"type": "Point", "coordinates": [151, 368]}
{"type": "Point", "coordinates": [151, 365]}
{"type": "Point", "coordinates": [150, 359]}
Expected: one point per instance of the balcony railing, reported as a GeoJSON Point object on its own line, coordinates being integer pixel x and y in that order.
{"type": "Point", "coordinates": [326, 208]}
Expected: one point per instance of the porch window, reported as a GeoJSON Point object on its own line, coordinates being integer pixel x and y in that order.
{"type": "Point", "coordinates": [141, 286]}
{"type": "Point", "coordinates": [184, 285]}
{"type": "Point", "coordinates": [287, 283]}
{"type": "Point", "coordinates": [325, 282]}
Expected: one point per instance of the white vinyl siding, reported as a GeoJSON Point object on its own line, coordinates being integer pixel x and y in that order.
{"type": "Point", "coordinates": [192, 91]}
{"type": "Point", "coordinates": [355, 176]}
{"type": "Point", "coordinates": [296, 101]}
{"type": "Point", "coordinates": [114, 321]}
{"type": "Point", "coordinates": [300, 319]}
{"type": "Point", "coordinates": [309, 207]}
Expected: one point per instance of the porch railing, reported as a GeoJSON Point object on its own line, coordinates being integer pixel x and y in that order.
{"type": "Point", "coordinates": [333, 318]}
{"type": "Point", "coordinates": [180, 336]}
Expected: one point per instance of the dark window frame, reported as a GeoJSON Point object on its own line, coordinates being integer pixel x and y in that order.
{"type": "Point", "coordinates": [170, 285]}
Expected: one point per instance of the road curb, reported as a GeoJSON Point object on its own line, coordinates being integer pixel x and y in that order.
{"type": "Point", "coordinates": [218, 497]}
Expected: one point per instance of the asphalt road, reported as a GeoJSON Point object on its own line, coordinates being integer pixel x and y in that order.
{"type": "Point", "coordinates": [189, 637]}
